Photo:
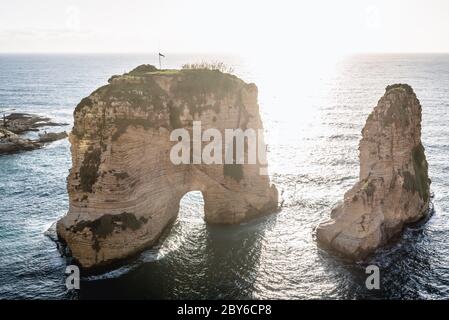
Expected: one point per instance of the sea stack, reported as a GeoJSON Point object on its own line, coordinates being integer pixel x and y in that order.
{"type": "Point", "coordinates": [124, 190]}
{"type": "Point", "coordinates": [393, 187]}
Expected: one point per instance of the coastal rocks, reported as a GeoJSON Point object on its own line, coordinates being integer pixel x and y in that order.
{"type": "Point", "coordinates": [52, 136]}
{"type": "Point", "coordinates": [393, 187]}
{"type": "Point", "coordinates": [124, 190]}
{"type": "Point", "coordinates": [12, 143]}
{"type": "Point", "coordinates": [17, 123]}
{"type": "Point", "coordinates": [22, 122]}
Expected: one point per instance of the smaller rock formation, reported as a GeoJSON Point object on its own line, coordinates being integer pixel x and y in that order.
{"type": "Point", "coordinates": [52, 136]}
{"type": "Point", "coordinates": [17, 123]}
{"type": "Point", "coordinates": [12, 143]}
{"type": "Point", "coordinates": [393, 189]}
{"type": "Point", "coordinates": [23, 122]}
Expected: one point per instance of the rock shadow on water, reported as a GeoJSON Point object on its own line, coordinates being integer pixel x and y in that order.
{"type": "Point", "coordinates": [210, 262]}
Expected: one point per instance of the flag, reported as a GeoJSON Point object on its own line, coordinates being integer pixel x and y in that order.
{"type": "Point", "coordinates": [161, 55]}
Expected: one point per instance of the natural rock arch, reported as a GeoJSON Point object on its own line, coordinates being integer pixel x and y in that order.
{"type": "Point", "coordinates": [123, 188]}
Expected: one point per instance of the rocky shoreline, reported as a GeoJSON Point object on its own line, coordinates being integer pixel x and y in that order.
{"type": "Point", "coordinates": [14, 124]}
{"type": "Point", "coordinates": [24, 122]}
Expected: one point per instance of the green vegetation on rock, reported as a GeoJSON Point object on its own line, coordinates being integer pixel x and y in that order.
{"type": "Point", "coordinates": [404, 86]}
{"type": "Point", "coordinates": [165, 72]}
{"type": "Point", "coordinates": [89, 169]}
{"type": "Point", "coordinates": [142, 70]}
{"type": "Point", "coordinates": [420, 166]}
{"type": "Point", "coordinates": [175, 114]}
{"type": "Point", "coordinates": [198, 83]}
{"type": "Point", "coordinates": [85, 102]}
{"type": "Point", "coordinates": [234, 171]}
{"type": "Point", "coordinates": [139, 89]}
{"type": "Point", "coordinates": [105, 225]}
{"type": "Point", "coordinates": [419, 182]}
{"type": "Point", "coordinates": [122, 124]}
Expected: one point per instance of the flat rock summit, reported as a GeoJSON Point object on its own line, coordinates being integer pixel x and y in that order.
{"type": "Point", "coordinates": [393, 186]}
{"type": "Point", "coordinates": [123, 188]}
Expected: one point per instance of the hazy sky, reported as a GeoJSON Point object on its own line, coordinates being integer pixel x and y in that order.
{"type": "Point", "coordinates": [227, 26]}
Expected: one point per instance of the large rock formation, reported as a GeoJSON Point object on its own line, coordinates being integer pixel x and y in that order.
{"type": "Point", "coordinates": [393, 187]}
{"type": "Point", "coordinates": [123, 187]}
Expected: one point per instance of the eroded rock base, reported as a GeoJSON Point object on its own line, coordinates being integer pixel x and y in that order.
{"type": "Point", "coordinates": [393, 188]}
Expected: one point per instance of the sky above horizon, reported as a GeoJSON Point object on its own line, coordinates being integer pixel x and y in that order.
{"type": "Point", "coordinates": [231, 26]}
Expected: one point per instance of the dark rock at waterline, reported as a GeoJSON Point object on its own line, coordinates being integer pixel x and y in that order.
{"type": "Point", "coordinates": [12, 143]}
{"type": "Point", "coordinates": [16, 123]}
{"type": "Point", "coordinates": [52, 136]}
{"type": "Point", "coordinates": [23, 122]}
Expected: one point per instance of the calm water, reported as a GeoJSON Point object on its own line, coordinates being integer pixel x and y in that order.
{"type": "Point", "coordinates": [313, 115]}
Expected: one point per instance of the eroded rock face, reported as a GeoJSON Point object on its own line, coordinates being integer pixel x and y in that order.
{"type": "Point", "coordinates": [124, 189]}
{"type": "Point", "coordinates": [393, 188]}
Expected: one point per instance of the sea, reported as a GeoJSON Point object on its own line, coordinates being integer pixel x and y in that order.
{"type": "Point", "coordinates": [313, 110]}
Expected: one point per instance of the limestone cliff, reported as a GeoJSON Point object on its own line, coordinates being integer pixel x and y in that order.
{"type": "Point", "coordinates": [124, 189]}
{"type": "Point", "coordinates": [393, 187]}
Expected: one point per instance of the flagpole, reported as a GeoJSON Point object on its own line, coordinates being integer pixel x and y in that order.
{"type": "Point", "coordinates": [160, 63]}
